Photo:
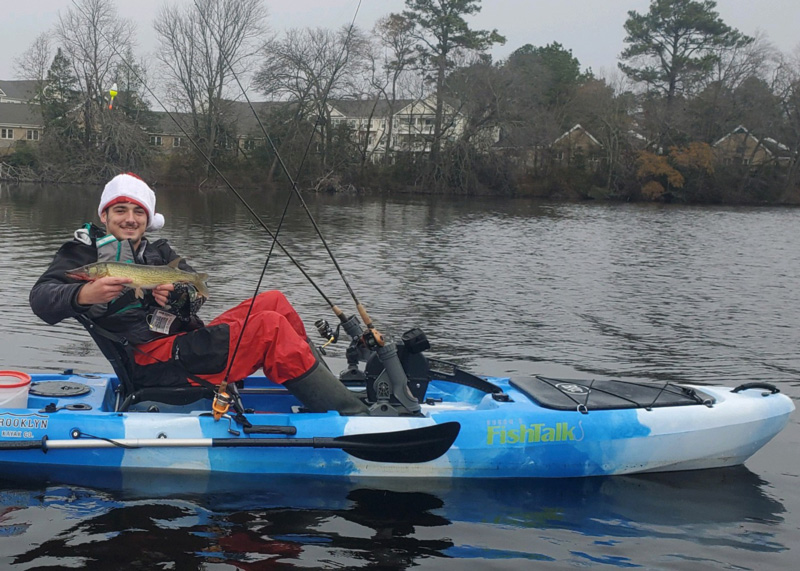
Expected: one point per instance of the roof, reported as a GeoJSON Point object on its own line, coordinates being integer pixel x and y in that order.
{"type": "Point", "coordinates": [17, 91]}
{"type": "Point", "coordinates": [237, 112]}
{"type": "Point", "coordinates": [246, 122]}
{"type": "Point", "coordinates": [770, 145]}
{"type": "Point", "coordinates": [738, 129]}
{"type": "Point", "coordinates": [20, 115]}
{"type": "Point", "coordinates": [367, 107]}
{"type": "Point", "coordinates": [578, 127]}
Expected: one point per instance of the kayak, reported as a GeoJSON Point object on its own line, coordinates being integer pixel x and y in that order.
{"type": "Point", "coordinates": [533, 427]}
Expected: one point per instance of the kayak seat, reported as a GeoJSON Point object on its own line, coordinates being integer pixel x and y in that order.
{"type": "Point", "coordinates": [120, 354]}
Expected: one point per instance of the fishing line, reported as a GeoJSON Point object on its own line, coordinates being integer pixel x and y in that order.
{"type": "Point", "coordinates": [284, 168]}
{"type": "Point", "coordinates": [292, 180]}
{"type": "Point", "coordinates": [220, 393]}
{"type": "Point", "coordinates": [210, 162]}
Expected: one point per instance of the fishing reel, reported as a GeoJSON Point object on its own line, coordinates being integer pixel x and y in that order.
{"type": "Point", "coordinates": [325, 331]}
{"type": "Point", "coordinates": [221, 404]}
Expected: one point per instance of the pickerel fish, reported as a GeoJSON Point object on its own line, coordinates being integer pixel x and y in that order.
{"type": "Point", "coordinates": [143, 276]}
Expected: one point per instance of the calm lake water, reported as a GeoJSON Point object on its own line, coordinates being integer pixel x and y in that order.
{"type": "Point", "coordinates": [502, 287]}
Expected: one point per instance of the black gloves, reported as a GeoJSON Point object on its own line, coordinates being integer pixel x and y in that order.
{"type": "Point", "coordinates": [184, 301]}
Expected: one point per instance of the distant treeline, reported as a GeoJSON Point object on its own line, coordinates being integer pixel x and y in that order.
{"type": "Point", "coordinates": [698, 112]}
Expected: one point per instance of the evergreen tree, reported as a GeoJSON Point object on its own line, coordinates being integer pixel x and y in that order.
{"type": "Point", "coordinates": [441, 32]}
{"type": "Point", "coordinates": [60, 101]}
{"type": "Point", "coordinates": [59, 92]}
{"type": "Point", "coordinates": [676, 44]}
{"type": "Point", "coordinates": [563, 70]}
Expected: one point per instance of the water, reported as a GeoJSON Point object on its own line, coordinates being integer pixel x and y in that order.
{"type": "Point", "coordinates": [700, 295]}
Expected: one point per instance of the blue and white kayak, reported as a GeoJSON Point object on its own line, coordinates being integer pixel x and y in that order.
{"type": "Point", "coordinates": [527, 428]}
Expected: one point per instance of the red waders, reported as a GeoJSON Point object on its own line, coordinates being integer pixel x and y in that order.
{"type": "Point", "coordinates": [274, 339]}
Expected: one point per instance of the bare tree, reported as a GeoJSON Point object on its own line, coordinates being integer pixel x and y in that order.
{"type": "Point", "coordinates": [92, 36]}
{"type": "Point", "coordinates": [604, 106]}
{"type": "Point", "coordinates": [34, 62]}
{"type": "Point", "coordinates": [788, 90]}
{"type": "Point", "coordinates": [309, 66]}
{"type": "Point", "coordinates": [713, 109]}
{"type": "Point", "coordinates": [202, 48]}
{"type": "Point", "coordinates": [393, 34]}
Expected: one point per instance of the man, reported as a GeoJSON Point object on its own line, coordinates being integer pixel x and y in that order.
{"type": "Point", "coordinates": [164, 326]}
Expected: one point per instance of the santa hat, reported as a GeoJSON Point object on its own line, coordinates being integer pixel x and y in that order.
{"type": "Point", "coordinates": [130, 188]}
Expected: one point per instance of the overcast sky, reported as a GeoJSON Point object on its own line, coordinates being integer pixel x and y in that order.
{"type": "Point", "coordinates": [592, 29]}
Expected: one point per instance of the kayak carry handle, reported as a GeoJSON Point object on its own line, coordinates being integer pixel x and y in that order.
{"type": "Point", "coordinates": [766, 386]}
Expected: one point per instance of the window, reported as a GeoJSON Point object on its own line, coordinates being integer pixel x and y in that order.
{"type": "Point", "coordinates": [33, 135]}
{"type": "Point", "coordinates": [155, 140]}
{"type": "Point", "coordinates": [177, 142]}
{"type": "Point", "coordinates": [249, 145]}
{"type": "Point", "coordinates": [6, 133]}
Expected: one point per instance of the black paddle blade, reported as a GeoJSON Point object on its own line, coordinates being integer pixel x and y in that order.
{"type": "Point", "coordinates": [411, 446]}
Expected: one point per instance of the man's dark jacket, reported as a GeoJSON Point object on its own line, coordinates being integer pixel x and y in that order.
{"type": "Point", "coordinates": [54, 296]}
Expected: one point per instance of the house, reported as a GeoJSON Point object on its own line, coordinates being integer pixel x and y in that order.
{"type": "Point", "coordinates": [19, 122]}
{"type": "Point", "coordinates": [166, 133]}
{"type": "Point", "coordinates": [740, 147]}
{"type": "Point", "coordinates": [577, 146]}
{"type": "Point", "coordinates": [367, 120]}
{"type": "Point", "coordinates": [173, 131]}
{"type": "Point", "coordinates": [413, 125]}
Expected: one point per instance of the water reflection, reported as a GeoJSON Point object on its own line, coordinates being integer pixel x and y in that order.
{"type": "Point", "coordinates": [382, 524]}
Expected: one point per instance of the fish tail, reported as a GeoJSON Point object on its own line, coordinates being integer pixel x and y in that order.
{"type": "Point", "coordinates": [200, 284]}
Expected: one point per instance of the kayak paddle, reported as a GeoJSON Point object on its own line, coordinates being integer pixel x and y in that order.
{"type": "Point", "coordinates": [411, 446]}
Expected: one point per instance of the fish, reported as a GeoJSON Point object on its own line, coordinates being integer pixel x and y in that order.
{"type": "Point", "coordinates": [143, 276]}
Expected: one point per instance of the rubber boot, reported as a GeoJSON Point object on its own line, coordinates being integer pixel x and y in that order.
{"type": "Point", "coordinates": [320, 391]}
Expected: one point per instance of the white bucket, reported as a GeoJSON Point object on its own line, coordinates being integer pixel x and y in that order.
{"type": "Point", "coordinates": [14, 389]}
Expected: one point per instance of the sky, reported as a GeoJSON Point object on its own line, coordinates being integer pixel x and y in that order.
{"type": "Point", "coordinates": [592, 29]}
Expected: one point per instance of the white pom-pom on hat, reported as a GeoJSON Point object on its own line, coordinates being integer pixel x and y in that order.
{"type": "Point", "coordinates": [128, 187]}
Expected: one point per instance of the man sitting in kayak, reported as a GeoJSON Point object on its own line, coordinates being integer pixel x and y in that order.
{"type": "Point", "coordinates": [164, 325]}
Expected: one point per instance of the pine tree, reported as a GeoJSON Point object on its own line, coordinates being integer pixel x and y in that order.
{"type": "Point", "coordinates": [59, 93]}
{"type": "Point", "coordinates": [442, 31]}
{"type": "Point", "coordinates": [676, 44]}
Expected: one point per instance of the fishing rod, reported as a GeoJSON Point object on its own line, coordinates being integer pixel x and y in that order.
{"type": "Point", "coordinates": [284, 168]}
{"type": "Point", "coordinates": [223, 400]}
{"type": "Point", "coordinates": [372, 339]}
{"type": "Point", "coordinates": [252, 212]}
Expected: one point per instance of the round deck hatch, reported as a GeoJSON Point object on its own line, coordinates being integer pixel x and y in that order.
{"type": "Point", "coordinates": [59, 389]}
